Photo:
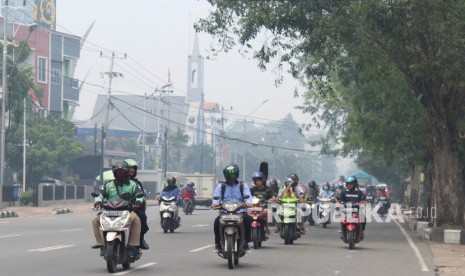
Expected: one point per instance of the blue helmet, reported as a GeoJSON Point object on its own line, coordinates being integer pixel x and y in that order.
{"type": "Point", "coordinates": [351, 179]}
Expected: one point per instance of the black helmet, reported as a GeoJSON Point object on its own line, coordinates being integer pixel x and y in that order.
{"type": "Point", "coordinates": [191, 184]}
{"type": "Point", "coordinates": [257, 175]}
{"type": "Point", "coordinates": [171, 181]}
{"type": "Point", "coordinates": [312, 184]}
{"type": "Point", "coordinates": [294, 177]}
{"type": "Point", "coordinates": [274, 181]}
{"type": "Point", "coordinates": [231, 172]}
{"type": "Point", "coordinates": [121, 166]}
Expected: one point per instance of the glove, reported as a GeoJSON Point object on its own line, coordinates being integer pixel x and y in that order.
{"type": "Point", "coordinates": [136, 205]}
{"type": "Point", "coordinates": [98, 205]}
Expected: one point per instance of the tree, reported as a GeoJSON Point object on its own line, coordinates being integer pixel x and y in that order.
{"type": "Point", "coordinates": [420, 41]}
{"type": "Point", "coordinates": [50, 145]}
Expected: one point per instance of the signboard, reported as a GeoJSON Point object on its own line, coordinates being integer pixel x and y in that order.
{"type": "Point", "coordinates": [39, 12]}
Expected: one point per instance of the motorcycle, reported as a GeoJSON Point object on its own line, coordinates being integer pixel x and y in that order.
{"type": "Point", "coordinates": [382, 206]}
{"type": "Point", "coordinates": [258, 224]}
{"type": "Point", "coordinates": [188, 206]}
{"type": "Point", "coordinates": [115, 229]}
{"type": "Point", "coordinates": [351, 225]}
{"type": "Point", "coordinates": [324, 211]}
{"type": "Point", "coordinates": [169, 214]}
{"type": "Point", "coordinates": [232, 231]}
{"type": "Point", "coordinates": [288, 216]}
{"type": "Point", "coordinates": [313, 205]}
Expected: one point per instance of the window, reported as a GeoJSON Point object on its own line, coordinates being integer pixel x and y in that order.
{"type": "Point", "coordinates": [42, 70]}
{"type": "Point", "coordinates": [55, 76]}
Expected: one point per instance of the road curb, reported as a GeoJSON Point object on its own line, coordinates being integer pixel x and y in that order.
{"type": "Point", "coordinates": [8, 214]}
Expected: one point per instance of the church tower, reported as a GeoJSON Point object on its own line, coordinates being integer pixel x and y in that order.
{"type": "Point", "coordinates": [195, 75]}
{"type": "Point", "coordinates": [195, 125]}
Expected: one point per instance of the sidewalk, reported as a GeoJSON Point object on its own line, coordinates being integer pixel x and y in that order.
{"type": "Point", "coordinates": [448, 259]}
{"type": "Point", "coordinates": [77, 208]}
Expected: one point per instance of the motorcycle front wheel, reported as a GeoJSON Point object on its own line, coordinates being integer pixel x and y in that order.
{"type": "Point", "coordinates": [231, 255]}
{"type": "Point", "coordinates": [165, 225]}
{"type": "Point", "coordinates": [112, 255]}
{"type": "Point", "coordinates": [287, 233]}
{"type": "Point", "coordinates": [351, 239]}
{"type": "Point", "coordinates": [255, 237]}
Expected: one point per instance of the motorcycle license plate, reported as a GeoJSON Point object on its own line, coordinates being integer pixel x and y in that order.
{"type": "Point", "coordinates": [112, 213]}
{"type": "Point", "coordinates": [255, 209]}
{"type": "Point", "coordinates": [231, 217]}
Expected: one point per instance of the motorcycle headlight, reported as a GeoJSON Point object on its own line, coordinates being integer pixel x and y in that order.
{"type": "Point", "coordinates": [105, 224]}
{"type": "Point", "coordinates": [231, 207]}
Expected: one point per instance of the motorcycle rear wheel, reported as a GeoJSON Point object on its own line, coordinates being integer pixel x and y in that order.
{"type": "Point", "coordinates": [112, 255]}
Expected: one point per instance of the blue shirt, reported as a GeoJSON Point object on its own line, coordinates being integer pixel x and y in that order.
{"type": "Point", "coordinates": [233, 193]}
{"type": "Point", "coordinates": [170, 193]}
{"type": "Point", "coordinates": [326, 194]}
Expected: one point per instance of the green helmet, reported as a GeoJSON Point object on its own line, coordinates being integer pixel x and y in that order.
{"type": "Point", "coordinates": [231, 172]}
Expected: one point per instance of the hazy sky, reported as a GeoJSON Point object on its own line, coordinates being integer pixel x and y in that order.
{"type": "Point", "coordinates": [157, 36]}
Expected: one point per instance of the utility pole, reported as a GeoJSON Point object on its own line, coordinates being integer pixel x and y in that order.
{"type": "Point", "coordinates": [4, 91]}
{"type": "Point", "coordinates": [273, 137]}
{"type": "Point", "coordinates": [111, 74]}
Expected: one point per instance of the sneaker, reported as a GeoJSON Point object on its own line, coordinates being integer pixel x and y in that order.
{"type": "Point", "coordinates": [97, 246]}
{"type": "Point", "coordinates": [362, 235]}
{"type": "Point", "coordinates": [144, 245]}
{"type": "Point", "coordinates": [340, 235]}
{"type": "Point", "coordinates": [247, 248]}
{"type": "Point", "coordinates": [217, 248]}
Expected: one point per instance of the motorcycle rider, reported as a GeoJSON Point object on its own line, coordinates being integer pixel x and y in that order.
{"type": "Point", "coordinates": [171, 190]}
{"type": "Point", "coordinates": [326, 192]}
{"type": "Point", "coordinates": [383, 192]}
{"type": "Point", "coordinates": [274, 186]}
{"type": "Point", "coordinates": [232, 190]}
{"type": "Point", "coordinates": [313, 191]}
{"type": "Point", "coordinates": [291, 186]}
{"type": "Point", "coordinates": [132, 167]}
{"type": "Point", "coordinates": [264, 192]}
{"type": "Point", "coordinates": [189, 192]}
{"type": "Point", "coordinates": [111, 190]}
{"type": "Point", "coordinates": [353, 195]}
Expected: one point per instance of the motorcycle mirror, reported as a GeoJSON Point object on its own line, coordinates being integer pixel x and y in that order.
{"type": "Point", "coordinates": [140, 195]}
{"type": "Point", "coordinates": [94, 194]}
{"type": "Point", "coordinates": [216, 197]}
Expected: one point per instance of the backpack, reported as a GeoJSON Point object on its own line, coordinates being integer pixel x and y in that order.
{"type": "Point", "coordinates": [223, 189]}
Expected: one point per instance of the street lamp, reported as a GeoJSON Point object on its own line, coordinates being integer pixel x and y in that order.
{"type": "Point", "coordinates": [245, 123]}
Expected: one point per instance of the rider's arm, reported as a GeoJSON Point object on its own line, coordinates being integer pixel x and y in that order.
{"type": "Point", "coordinates": [218, 194]}
{"type": "Point", "coordinates": [246, 191]}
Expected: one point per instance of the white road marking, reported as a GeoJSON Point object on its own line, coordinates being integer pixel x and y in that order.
{"type": "Point", "coordinates": [200, 225]}
{"type": "Point", "coordinates": [136, 268]}
{"type": "Point", "coordinates": [201, 248]}
{"type": "Point", "coordinates": [70, 230]}
{"type": "Point", "coordinates": [61, 246]}
{"type": "Point", "coordinates": [4, 222]}
{"type": "Point", "coordinates": [414, 248]}
{"type": "Point", "coordinates": [9, 236]}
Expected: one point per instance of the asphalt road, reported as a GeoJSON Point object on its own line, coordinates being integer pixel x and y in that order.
{"type": "Point", "coordinates": [60, 245]}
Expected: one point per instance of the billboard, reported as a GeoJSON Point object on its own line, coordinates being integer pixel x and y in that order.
{"type": "Point", "coordinates": [40, 12]}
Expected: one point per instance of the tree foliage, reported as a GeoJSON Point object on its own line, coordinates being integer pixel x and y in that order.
{"type": "Point", "coordinates": [50, 145]}
{"type": "Point", "coordinates": [383, 76]}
